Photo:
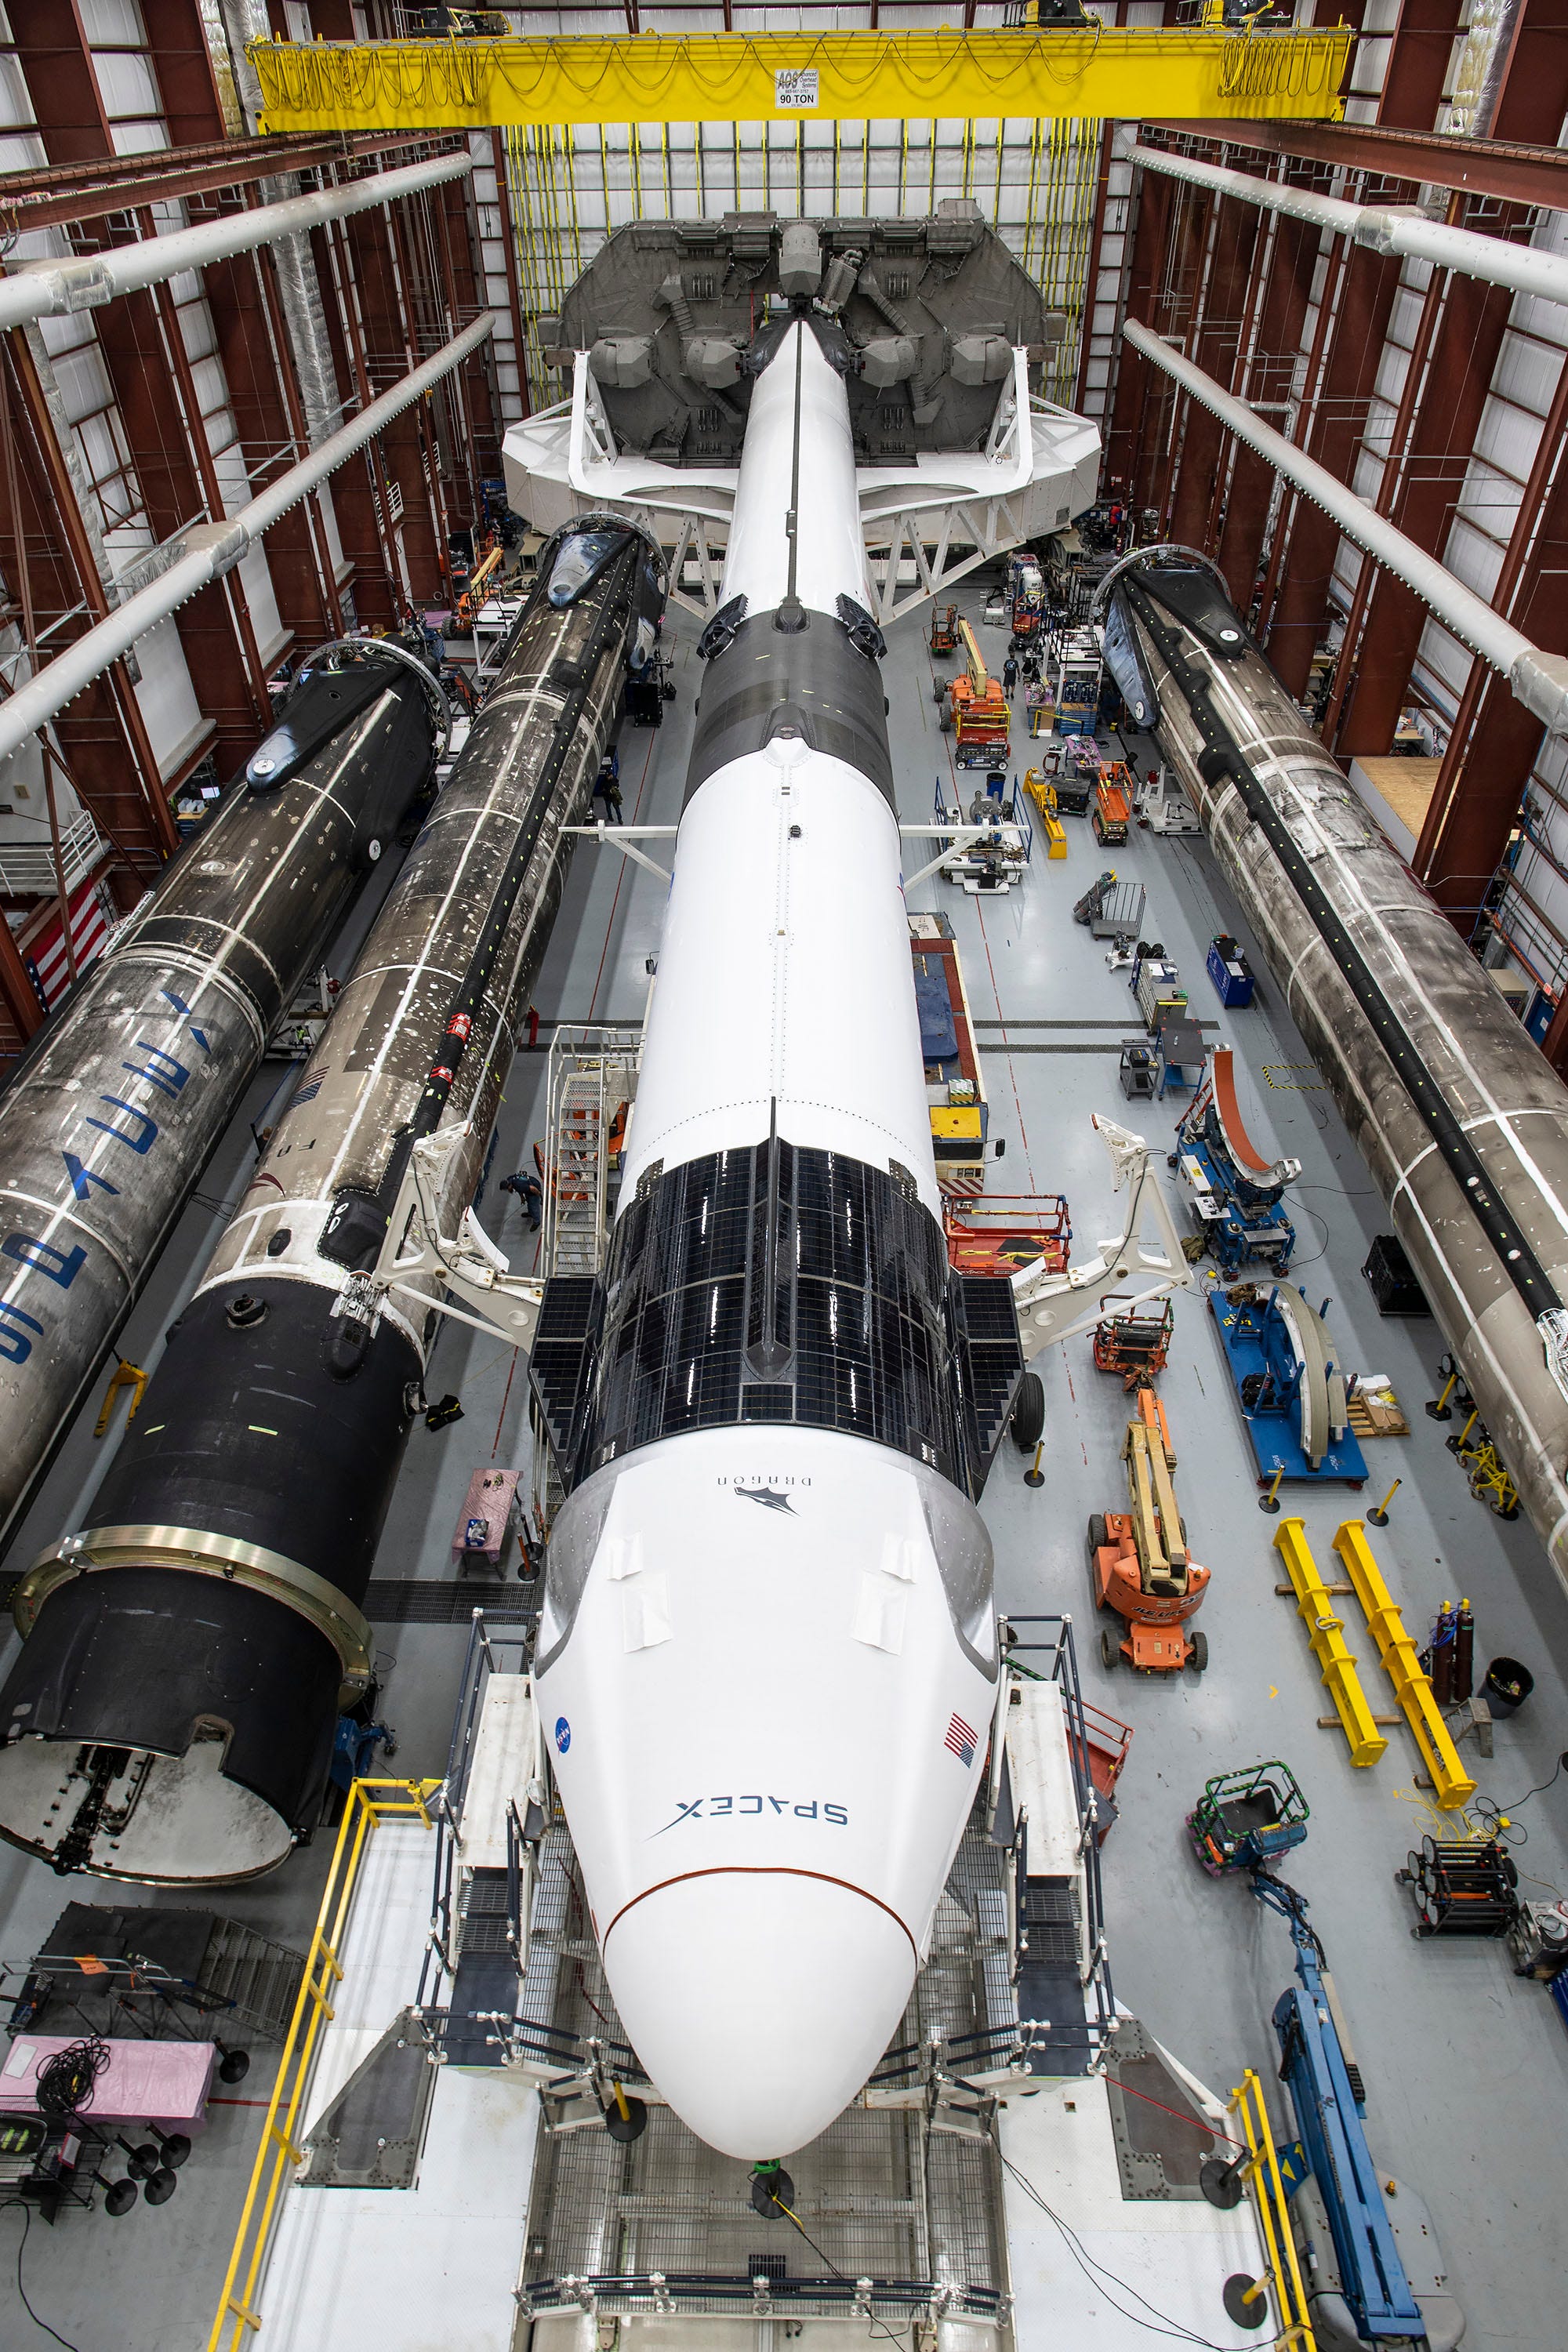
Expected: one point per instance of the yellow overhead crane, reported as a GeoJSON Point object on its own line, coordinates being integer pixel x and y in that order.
{"type": "Point", "coordinates": [1203, 74]}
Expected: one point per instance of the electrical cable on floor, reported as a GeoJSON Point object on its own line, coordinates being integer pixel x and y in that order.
{"type": "Point", "coordinates": [1497, 1820]}
{"type": "Point", "coordinates": [64, 2083]}
{"type": "Point", "coordinates": [876, 2323]}
{"type": "Point", "coordinates": [1161, 2324]}
{"type": "Point", "coordinates": [1317, 1219]}
{"type": "Point", "coordinates": [21, 2290]}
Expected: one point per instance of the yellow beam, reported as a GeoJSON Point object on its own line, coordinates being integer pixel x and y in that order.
{"type": "Point", "coordinates": [1450, 1781]}
{"type": "Point", "coordinates": [1325, 1632]}
{"type": "Point", "coordinates": [791, 77]}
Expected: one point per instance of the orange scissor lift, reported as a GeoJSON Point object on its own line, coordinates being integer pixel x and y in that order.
{"type": "Point", "coordinates": [974, 709]}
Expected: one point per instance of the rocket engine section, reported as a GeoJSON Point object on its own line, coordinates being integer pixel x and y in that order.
{"type": "Point", "coordinates": [112, 1119]}
{"type": "Point", "coordinates": [171, 1717]}
{"type": "Point", "coordinates": [767, 1652]}
{"type": "Point", "coordinates": [1462, 1123]}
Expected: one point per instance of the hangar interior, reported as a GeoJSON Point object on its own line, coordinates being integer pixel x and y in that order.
{"type": "Point", "coordinates": [1078, 902]}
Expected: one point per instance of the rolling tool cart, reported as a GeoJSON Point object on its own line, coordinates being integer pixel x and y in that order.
{"type": "Point", "coordinates": [1135, 1346]}
{"type": "Point", "coordinates": [1469, 1887]}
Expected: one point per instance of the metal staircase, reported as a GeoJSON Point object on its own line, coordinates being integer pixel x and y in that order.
{"type": "Point", "coordinates": [260, 1977]}
{"type": "Point", "coordinates": [592, 1079]}
{"type": "Point", "coordinates": [589, 1093]}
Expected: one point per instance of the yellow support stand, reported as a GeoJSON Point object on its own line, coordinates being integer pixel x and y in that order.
{"type": "Point", "coordinates": [123, 1375]}
{"type": "Point", "coordinates": [1044, 796]}
{"type": "Point", "coordinates": [1451, 1784]}
{"type": "Point", "coordinates": [1325, 1632]}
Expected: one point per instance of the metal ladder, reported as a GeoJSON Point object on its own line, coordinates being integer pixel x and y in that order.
{"type": "Point", "coordinates": [593, 1071]}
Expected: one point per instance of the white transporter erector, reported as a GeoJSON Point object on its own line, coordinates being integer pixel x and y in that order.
{"type": "Point", "coordinates": [767, 1655]}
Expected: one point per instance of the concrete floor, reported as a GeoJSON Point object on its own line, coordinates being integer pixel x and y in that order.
{"type": "Point", "coordinates": [1467, 2068]}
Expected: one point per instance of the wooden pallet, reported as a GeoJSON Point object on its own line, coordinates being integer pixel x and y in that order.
{"type": "Point", "coordinates": [1370, 1419]}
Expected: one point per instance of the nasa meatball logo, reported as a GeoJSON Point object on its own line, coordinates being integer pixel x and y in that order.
{"type": "Point", "coordinates": [562, 1734]}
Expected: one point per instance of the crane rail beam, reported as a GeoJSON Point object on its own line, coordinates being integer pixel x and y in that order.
{"type": "Point", "coordinates": [822, 77]}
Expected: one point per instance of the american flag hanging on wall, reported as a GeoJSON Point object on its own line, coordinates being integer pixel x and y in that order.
{"type": "Point", "coordinates": [960, 1740]}
{"type": "Point", "coordinates": [92, 914]}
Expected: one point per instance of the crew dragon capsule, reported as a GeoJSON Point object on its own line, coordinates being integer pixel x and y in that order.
{"type": "Point", "coordinates": [767, 1654]}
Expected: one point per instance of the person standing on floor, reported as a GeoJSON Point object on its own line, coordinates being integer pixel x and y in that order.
{"type": "Point", "coordinates": [607, 787]}
{"type": "Point", "coordinates": [530, 1191]}
{"type": "Point", "coordinates": [1009, 674]}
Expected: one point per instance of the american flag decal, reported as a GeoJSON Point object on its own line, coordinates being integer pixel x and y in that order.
{"type": "Point", "coordinates": [959, 1740]}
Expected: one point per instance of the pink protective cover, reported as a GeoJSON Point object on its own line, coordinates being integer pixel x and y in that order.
{"type": "Point", "coordinates": [144, 2082]}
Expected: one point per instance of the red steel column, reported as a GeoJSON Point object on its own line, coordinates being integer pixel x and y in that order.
{"type": "Point", "coordinates": [1418, 64]}
{"type": "Point", "coordinates": [1330, 430]}
{"type": "Point", "coordinates": [360, 494]}
{"type": "Point", "coordinates": [136, 818]}
{"type": "Point", "coordinates": [1400, 451]}
{"type": "Point", "coordinates": [1126, 442]}
{"type": "Point", "coordinates": [1494, 740]}
{"type": "Point", "coordinates": [1464, 355]}
{"type": "Point", "coordinates": [144, 352]}
{"type": "Point", "coordinates": [1237, 234]}
{"type": "Point", "coordinates": [1281, 317]}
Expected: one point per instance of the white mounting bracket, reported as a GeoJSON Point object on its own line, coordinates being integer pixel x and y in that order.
{"type": "Point", "coordinates": [957, 836]}
{"type": "Point", "coordinates": [1148, 1254]}
{"type": "Point", "coordinates": [621, 836]}
{"type": "Point", "coordinates": [470, 1265]}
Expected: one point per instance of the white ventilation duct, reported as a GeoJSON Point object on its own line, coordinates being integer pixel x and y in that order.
{"type": "Point", "coordinates": [1527, 268]}
{"type": "Point", "coordinates": [208, 549]}
{"type": "Point", "coordinates": [1538, 681]}
{"type": "Point", "coordinates": [39, 289]}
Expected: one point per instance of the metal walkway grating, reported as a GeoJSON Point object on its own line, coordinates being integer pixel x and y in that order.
{"type": "Point", "coordinates": [916, 2211]}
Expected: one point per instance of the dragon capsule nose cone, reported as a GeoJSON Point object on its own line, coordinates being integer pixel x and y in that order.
{"type": "Point", "coordinates": [758, 2001]}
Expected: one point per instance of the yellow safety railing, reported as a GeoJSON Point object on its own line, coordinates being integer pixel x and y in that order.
{"type": "Point", "coordinates": [1261, 2172]}
{"type": "Point", "coordinates": [1325, 1632]}
{"type": "Point", "coordinates": [1451, 1784]}
{"type": "Point", "coordinates": [369, 1802]}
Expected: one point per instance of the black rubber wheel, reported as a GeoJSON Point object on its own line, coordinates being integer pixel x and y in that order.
{"type": "Point", "coordinates": [1028, 1416]}
{"type": "Point", "coordinates": [1110, 1652]}
{"type": "Point", "coordinates": [1098, 1534]}
{"type": "Point", "coordinates": [946, 721]}
{"type": "Point", "coordinates": [939, 693]}
{"type": "Point", "coordinates": [1200, 1656]}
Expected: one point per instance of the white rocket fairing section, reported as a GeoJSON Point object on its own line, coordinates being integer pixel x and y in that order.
{"type": "Point", "coordinates": [767, 1652]}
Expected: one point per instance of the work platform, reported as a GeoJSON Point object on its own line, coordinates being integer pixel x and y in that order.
{"type": "Point", "coordinates": [463, 2164]}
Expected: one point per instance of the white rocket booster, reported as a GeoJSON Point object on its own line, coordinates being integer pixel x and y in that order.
{"type": "Point", "coordinates": [767, 1652]}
